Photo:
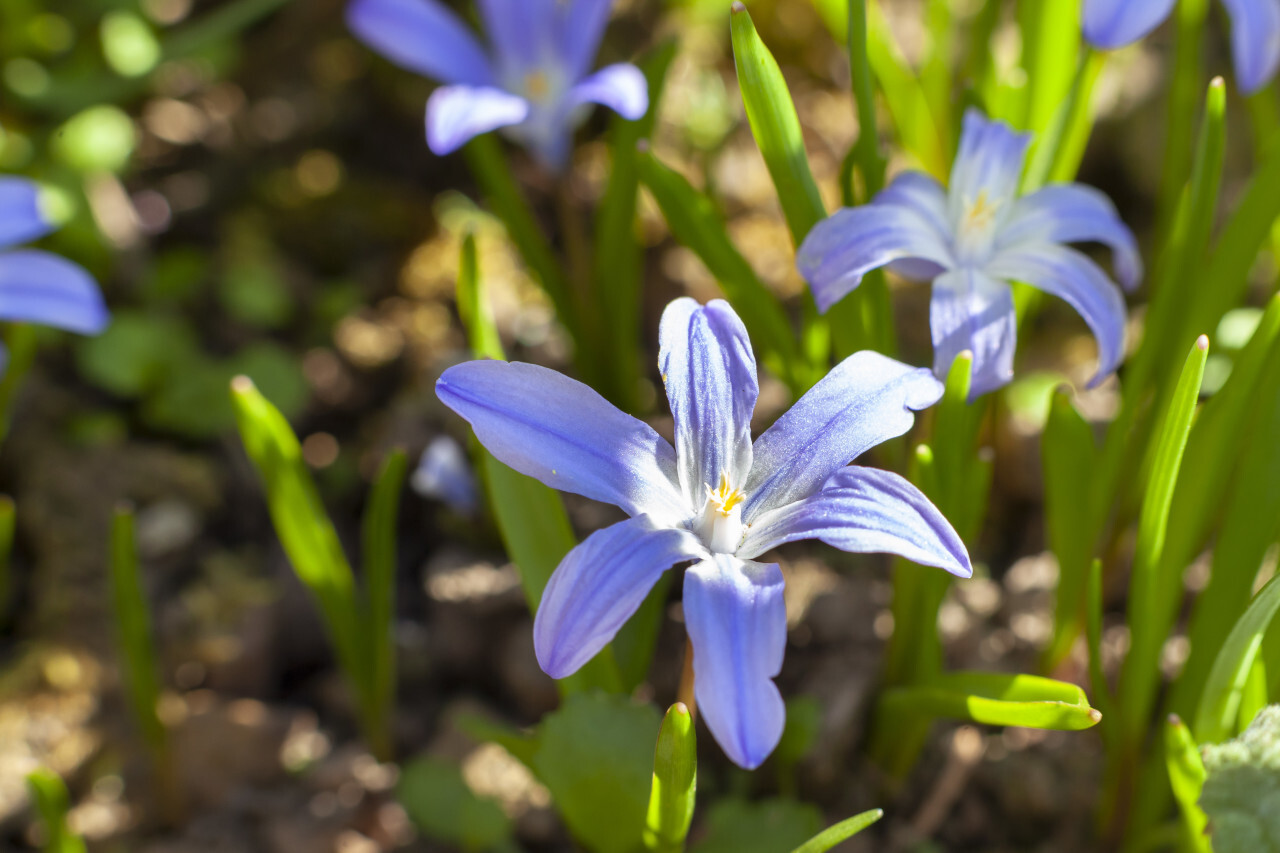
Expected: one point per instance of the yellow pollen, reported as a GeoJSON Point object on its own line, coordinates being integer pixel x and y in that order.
{"type": "Point", "coordinates": [980, 212]}
{"type": "Point", "coordinates": [725, 497]}
{"type": "Point", "coordinates": [536, 85]}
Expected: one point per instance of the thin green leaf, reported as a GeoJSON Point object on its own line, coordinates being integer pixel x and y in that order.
{"type": "Point", "coordinates": [1219, 708]}
{"type": "Point", "coordinates": [1051, 52]}
{"type": "Point", "coordinates": [675, 782]}
{"type": "Point", "coordinates": [1148, 624]}
{"type": "Point", "coordinates": [132, 619]}
{"type": "Point", "coordinates": [8, 519]}
{"type": "Point", "coordinates": [379, 538]}
{"type": "Point", "coordinates": [695, 223]}
{"type": "Point", "coordinates": [996, 699]}
{"type": "Point", "coordinates": [1102, 698]}
{"type": "Point", "coordinates": [477, 317]}
{"type": "Point", "coordinates": [1069, 455]}
{"type": "Point", "coordinates": [842, 831]}
{"type": "Point", "coordinates": [1184, 96]}
{"type": "Point", "coordinates": [775, 125]}
{"type": "Point", "coordinates": [1187, 775]}
{"type": "Point", "coordinates": [52, 802]}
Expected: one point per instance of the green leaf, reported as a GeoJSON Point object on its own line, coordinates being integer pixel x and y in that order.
{"type": "Point", "coordinates": [531, 517]}
{"type": "Point", "coordinates": [596, 756]}
{"type": "Point", "coordinates": [132, 619]}
{"type": "Point", "coordinates": [764, 826]}
{"type": "Point", "coordinates": [136, 352]}
{"type": "Point", "coordinates": [99, 139]}
{"type": "Point", "coordinates": [775, 125]}
{"type": "Point", "coordinates": [1148, 621]}
{"type": "Point", "coordinates": [303, 526]}
{"type": "Point", "coordinates": [379, 539]}
{"type": "Point", "coordinates": [1243, 786]}
{"type": "Point", "coordinates": [438, 800]}
{"type": "Point", "coordinates": [842, 831]}
{"type": "Point", "coordinates": [996, 699]}
{"type": "Point", "coordinates": [8, 519]}
{"type": "Point", "coordinates": [1186, 775]}
{"type": "Point", "coordinates": [52, 802]}
{"type": "Point", "coordinates": [1218, 712]}
{"type": "Point", "coordinates": [675, 782]}
{"type": "Point", "coordinates": [695, 223]}
{"type": "Point", "coordinates": [1069, 454]}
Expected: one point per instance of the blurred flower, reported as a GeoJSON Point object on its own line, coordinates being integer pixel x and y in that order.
{"type": "Point", "coordinates": [1255, 32]}
{"type": "Point", "coordinates": [715, 499]}
{"type": "Point", "coordinates": [443, 474]}
{"type": "Point", "coordinates": [971, 242]}
{"type": "Point", "coordinates": [534, 83]}
{"type": "Point", "coordinates": [36, 286]}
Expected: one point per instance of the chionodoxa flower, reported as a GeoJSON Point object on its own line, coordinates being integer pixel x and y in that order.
{"type": "Point", "coordinates": [535, 83]}
{"type": "Point", "coordinates": [40, 287]}
{"type": "Point", "coordinates": [1255, 32]}
{"type": "Point", "coordinates": [971, 241]}
{"type": "Point", "coordinates": [716, 499]}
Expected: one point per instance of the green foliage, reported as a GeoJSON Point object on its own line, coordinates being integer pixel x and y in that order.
{"type": "Point", "coordinates": [134, 640]}
{"type": "Point", "coordinates": [1242, 788]}
{"type": "Point", "coordinates": [766, 826]}
{"type": "Point", "coordinates": [596, 756]}
{"type": "Point", "coordinates": [358, 625]}
{"type": "Point", "coordinates": [444, 808]}
{"type": "Point", "coordinates": [995, 699]}
{"type": "Point", "coordinates": [675, 782]}
{"type": "Point", "coordinates": [1219, 710]}
{"type": "Point", "coordinates": [52, 802]}
{"type": "Point", "coordinates": [839, 833]}
{"type": "Point", "coordinates": [1186, 775]}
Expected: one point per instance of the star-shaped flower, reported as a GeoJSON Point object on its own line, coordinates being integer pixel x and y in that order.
{"type": "Point", "coordinates": [971, 241]}
{"type": "Point", "coordinates": [535, 82]}
{"type": "Point", "coordinates": [716, 499]}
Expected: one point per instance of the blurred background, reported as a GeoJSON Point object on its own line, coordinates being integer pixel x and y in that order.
{"type": "Point", "coordinates": [252, 188]}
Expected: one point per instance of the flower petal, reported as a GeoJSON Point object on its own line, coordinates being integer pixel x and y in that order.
{"type": "Point", "coordinates": [922, 193]}
{"type": "Point", "coordinates": [582, 25]}
{"type": "Point", "coordinates": [1077, 280]}
{"type": "Point", "coordinates": [1255, 41]}
{"type": "Point", "coordinates": [457, 114]}
{"type": "Point", "coordinates": [710, 375]}
{"type": "Point", "coordinates": [972, 311]}
{"type": "Point", "coordinates": [20, 218]}
{"type": "Point", "coordinates": [422, 36]}
{"type": "Point", "coordinates": [737, 622]}
{"type": "Point", "coordinates": [599, 585]}
{"type": "Point", "coordinates": [1112, 24]}
{"type": "Point", "coordinates": [988, 167]}
{"type": "Point", "coordinates": [562, 433]}
{"type": "Point", "coordinates": [39, 287]}
{"type": "Point", "coordinates": [622, 88]}
{"type": "Point", "coordinates": [843, 248]}
{"type": "Point", "coordinates": [865, 511]}
{"type": "Point", "coordinates": [868, 398]}
{"type": "Point", "coordinates": [1073, 213]}
{"type": "Point", "coordinates": [523, 32]}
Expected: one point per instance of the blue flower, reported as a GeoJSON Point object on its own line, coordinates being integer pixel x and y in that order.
{"type": "Point", "coordinates": [715, 499]}
{"type": "Point", "coordinates": [443, 473]}
{"type": "Point", "coordinates": [535, 83]}
{"type": "Point", "coordinates": [1255, 32]}
{"type": "Point", "coordinates": [974, 239]}
{"type": "Point", "coordinates": [36, 286]}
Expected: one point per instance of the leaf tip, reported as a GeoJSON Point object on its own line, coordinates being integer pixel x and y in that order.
{"type": "Point", "coordinates": [242, 384]}
{"type": "Point", "coordinates": [1095, 715]}
{"type": "Point", "coordinates": [1174, 720]}
{"type": "Point", "coordinates": [1202, 343]}
{"type": "Point", "coordinates": [737, 7]}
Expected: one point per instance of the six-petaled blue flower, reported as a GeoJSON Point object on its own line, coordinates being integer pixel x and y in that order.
{"type": "Point", "coordinates": [974, 239]}
{"type": "Point", "coordinates": [715, 499]}
{"type": "Point", "coordinates": [1255, 32]}
{"type": "Point", "coordinates": [36, 286]}
{"type": "Point", "coordinates": [535, 83]}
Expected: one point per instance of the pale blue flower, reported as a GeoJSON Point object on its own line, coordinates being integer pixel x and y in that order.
{"type": "Point", "coordinates": [716, 499]}
{"type": "Point", "coordinates": [443, 474]}
{"type": "Point", "coordinates": [1255, 32]}
{"type": "Point", "coordinates": [535, 82]}
{"type": "Point", "coordinates": [36, 286]}
{"type": "Point", "coordinates": [971, 241]}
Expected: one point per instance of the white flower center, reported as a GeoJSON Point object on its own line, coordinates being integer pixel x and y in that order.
{"type": "Point", "coordinates": [720, 523]}
{"type": "Point", "coordinates": [976, 230]}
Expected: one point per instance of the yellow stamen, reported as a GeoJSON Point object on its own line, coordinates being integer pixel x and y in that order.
{"type": "Point", "coordinates": [725, 497]}
{"type": "Point", "coordinates": [536, 85]}
{"type": "Point", "coordinates": [980, 213]}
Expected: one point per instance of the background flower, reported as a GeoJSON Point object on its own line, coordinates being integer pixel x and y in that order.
{"type": "Point", "coordinates": [971, 241]}
{"type": "Point", "coordinates": [534, 82]}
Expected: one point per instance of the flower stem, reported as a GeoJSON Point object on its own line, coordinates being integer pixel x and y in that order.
{"type": "Point", "coordinates": [685, 693]}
